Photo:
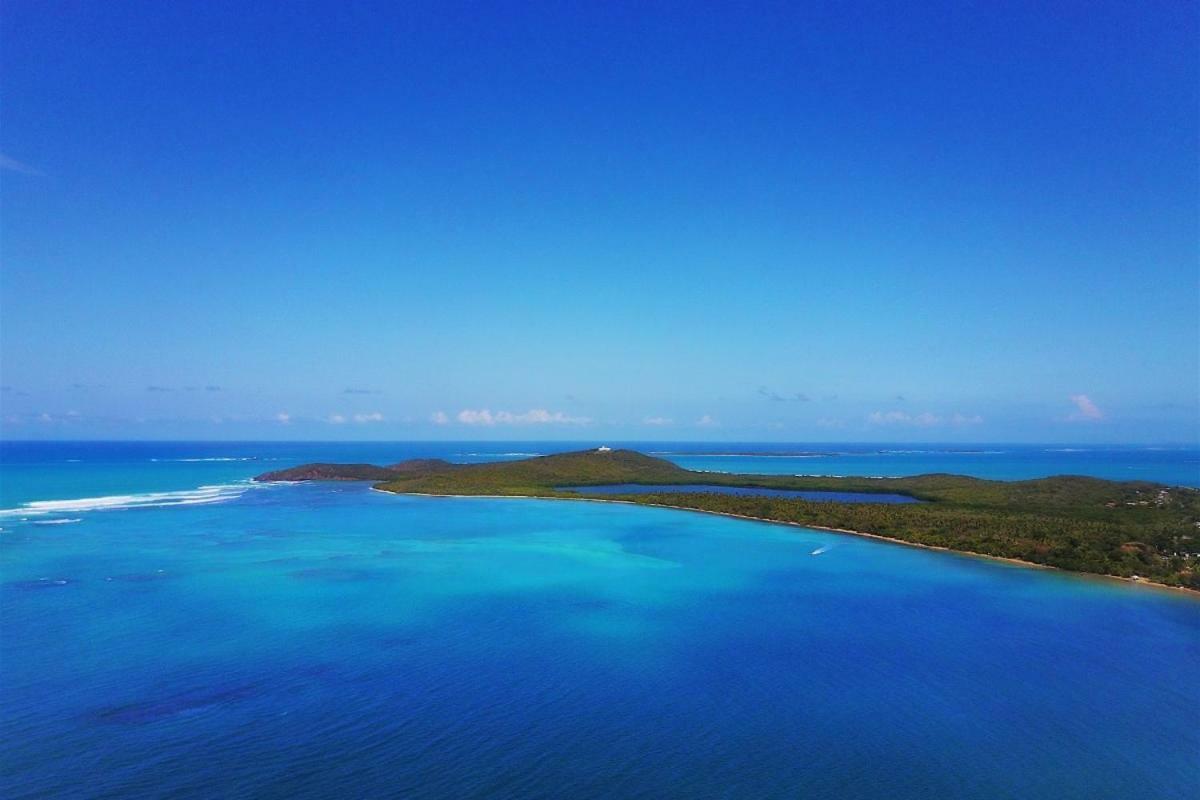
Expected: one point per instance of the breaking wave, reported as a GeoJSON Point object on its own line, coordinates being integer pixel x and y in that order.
{"type": "Point", "coordinates": [214, 458]}
{"type": "Point", "coordinates": [121, 502]}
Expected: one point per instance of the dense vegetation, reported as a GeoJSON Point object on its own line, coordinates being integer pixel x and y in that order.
{"type": "Point", "coordinates": [1124, 529]}
{"type": "Point", "coordinates": [355, 472]}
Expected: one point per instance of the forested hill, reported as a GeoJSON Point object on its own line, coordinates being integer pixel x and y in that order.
{"type": "Point", "coordinates": [1124, 529]}
{"type": "Point", "coordinates": [355, 472]}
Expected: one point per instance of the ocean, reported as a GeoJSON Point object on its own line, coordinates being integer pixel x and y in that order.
{"type": "Point", "coordinates": [168, 629]}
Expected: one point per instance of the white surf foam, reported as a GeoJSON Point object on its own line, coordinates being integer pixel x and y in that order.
{"type": "Point", "coordinates": [214, 458]}
{"type": "Point", "coordinates": [119, 502]}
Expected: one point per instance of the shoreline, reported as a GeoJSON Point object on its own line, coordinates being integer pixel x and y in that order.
{"type": "Point", "coordinates": [1192, 593]}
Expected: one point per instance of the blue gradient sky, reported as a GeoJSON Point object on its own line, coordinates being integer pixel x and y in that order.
{"type": "Point", "coordinates": [764, 222]}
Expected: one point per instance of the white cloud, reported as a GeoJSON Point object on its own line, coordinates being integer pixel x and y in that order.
{"type": "Point", "coordinates": [1086, 410]}
{"type": "Point", "coordinates": [540, 416]}
{"type": "Point", "coordinates": [828, 422]}
{"type": "Point", "coordinates": [707, 421]}
{"type": "Point", "coordinates": [374, 416]}
{"type": "Point", "coordinates": [45, 418]}
{"type": "Point", "coordinates": [337, 419]}
{"type": "Point", "coordinates": [658, 421]}
{"type": "Point", "coordinates": [12, 165]}
{"type": "Point", "coordinates": [893, 418]}
{"type": "Point", "coordinates": [926, 419]}
{"type": "Point", "coordinates": [797, 397]}
{"type": "Point", "coordinates": [535, 416]}
{"type": "Point", "coordinates": [283, 417]}
{"type": "Point", "coordinates": [439, 418]}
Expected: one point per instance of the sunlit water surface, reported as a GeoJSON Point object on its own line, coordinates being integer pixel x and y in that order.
{"type": "Point", "coordinates": [331, 641]}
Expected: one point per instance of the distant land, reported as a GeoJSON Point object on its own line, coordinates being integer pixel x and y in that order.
{"type": "Point", "coordinates": [1135, 530]}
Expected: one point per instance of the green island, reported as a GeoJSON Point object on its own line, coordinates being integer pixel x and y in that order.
{"type": "Point", "coordinates": [1141, 531]}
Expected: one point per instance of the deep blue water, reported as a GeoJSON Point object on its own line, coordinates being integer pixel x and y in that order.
{"type": "Point", "coordinates": [742, 491]}
{"type": "Point", "coordinates": [159, 639]}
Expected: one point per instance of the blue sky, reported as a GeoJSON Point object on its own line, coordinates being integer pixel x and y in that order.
{"type": "Point", "coordinates": [804, 222]}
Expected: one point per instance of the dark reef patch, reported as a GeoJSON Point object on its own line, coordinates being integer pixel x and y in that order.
{"type": "Point", "coordinates": [141, 577]}
{"type": "Point", "coordinates": [40, 583]}
{"type": "Point", "coordinates": [154, 710]}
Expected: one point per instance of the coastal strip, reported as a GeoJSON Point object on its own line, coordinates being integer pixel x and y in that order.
{"type": "Point", "coordinates": [1137, 531]}
{"type": "Point", "coordinates": [1143, 582]}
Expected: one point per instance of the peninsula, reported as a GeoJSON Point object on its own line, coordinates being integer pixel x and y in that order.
{"type": "Point", "coordinates": [1132, 529]}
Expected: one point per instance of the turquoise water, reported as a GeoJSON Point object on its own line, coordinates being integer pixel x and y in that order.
{"type": "Point", "coordinates": [708, 488]}
{"type": "Point", "coordinates": [1177, 465]}
{"type": "Point", "coordinates": [326, 640]}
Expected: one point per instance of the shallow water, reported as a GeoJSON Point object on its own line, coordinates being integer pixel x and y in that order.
{"type": "Point", "coordinates": [326, 640]}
